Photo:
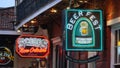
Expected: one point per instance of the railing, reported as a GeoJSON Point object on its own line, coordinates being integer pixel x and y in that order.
{"type": "Point", "coordinates": [27, 7]}
{"type": "Point", "coordinates": [7, 19]}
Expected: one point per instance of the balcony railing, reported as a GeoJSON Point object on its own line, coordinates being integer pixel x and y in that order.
{"type": "Point", "coordinates": [27, 7]}
{"type": "Point", "coordinates": [7, 18]}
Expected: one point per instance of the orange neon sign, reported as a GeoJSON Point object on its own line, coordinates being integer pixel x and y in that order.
{"type": "Point", "coordinates": [32, 46]}
{"type": "Point", "coordinates": [32, 50]}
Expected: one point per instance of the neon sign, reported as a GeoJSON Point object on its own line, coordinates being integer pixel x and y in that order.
{"type": "Point", "coordinates": [32, 46]}
{"type": "Point", "coordinates": [5, 56]}
{"type": "Point", "coordinates": [83, 30]}
{"type": "Point", "coordinates": [31, 50]}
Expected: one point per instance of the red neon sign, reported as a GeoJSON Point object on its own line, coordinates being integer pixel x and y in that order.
{"type": "Point", "coordinates": [32, 46]}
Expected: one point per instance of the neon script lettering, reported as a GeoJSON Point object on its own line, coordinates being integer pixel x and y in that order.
{"type": "Point", "coordinates": [32, 50]}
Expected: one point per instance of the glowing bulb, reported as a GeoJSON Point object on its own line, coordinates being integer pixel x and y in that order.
{"type": "Point", "coordinates": [68, 8]}
{"type": "Point", "coordinates": [18, 31]}
{"type": "Point", "coordinates": [118, 43]}
{"type": "Point", "coordinates": [33, 22]}
{"type": "Point", "coordinates": [24, 25]}
{"type": "Point", "coordinates": [86, 1]}
{"type": "Point", "coordinates": [81, 1]}
{"type": "Point", "coordinates": [53, 10]}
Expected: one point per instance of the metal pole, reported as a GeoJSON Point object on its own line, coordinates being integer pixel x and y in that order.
{"type": "Point", "coordinates": [68, 62]}
{"type": "Point", "coordinates": [94, 64]}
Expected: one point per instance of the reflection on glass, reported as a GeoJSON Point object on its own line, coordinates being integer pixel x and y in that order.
{"type": "Point", "coordinates": [118, 55]}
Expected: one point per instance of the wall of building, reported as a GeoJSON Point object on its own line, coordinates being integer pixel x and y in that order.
{"type": "Point", "coordinates": [20, 62]}
{"type": "Point", "coordinates": [55, 30]}
{"type": "Point", "coordinates": [7, 18]}
{"type": "Point", "coordinates": [112, 12]}
{"type": "Point", "coordinates": [104, 61]}
{"type": "Point", "coordinates": [112, 9]}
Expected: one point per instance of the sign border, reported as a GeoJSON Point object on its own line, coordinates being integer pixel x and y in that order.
{"type": "Point", "coordinates": [101, 31]}
{"type": "Point", "coordinates": [33, 56]}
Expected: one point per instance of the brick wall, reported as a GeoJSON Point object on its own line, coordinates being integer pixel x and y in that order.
{"type": "Point", "coordinates": [7, 18]}
{"type": "Point", "coordinates": [104, 61]}
{"type": "Point", "coordinates": [112, 9]}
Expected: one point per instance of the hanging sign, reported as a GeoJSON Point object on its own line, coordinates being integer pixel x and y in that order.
{"type": "Point", "coordinates": [32, 46]}
{"type": "Point", "coordinates": [83, 30]}
{"type": "Point", "coordinates": [5, 56]}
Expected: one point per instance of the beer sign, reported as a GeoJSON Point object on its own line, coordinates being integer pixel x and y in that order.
{"type": "Point", "coordinates": [83, 30]}
{"type": "Point", "coordinates": [32, 46]}
{"type": "Point", "coordinates": [5, 56]}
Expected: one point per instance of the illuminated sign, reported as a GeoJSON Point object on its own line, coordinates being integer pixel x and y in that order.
{"type": "Point", "coordinates": [83, 30]}
{"type": "Point", "coordinates": [32, 46]}
{"type": "Point", "coordinates": [5, 56]}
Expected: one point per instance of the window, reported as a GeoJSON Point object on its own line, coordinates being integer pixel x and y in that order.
{"type": "Point", "coordinates": [117, 46]}
{"type": "Point", "coordinates": [115, 39]}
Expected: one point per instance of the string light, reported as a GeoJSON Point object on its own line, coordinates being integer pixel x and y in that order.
{"type": "Point", "coordinates": [18, 30]}
{"type": "Point", "coordinates": [86, 1]}
{"type": "Point", "coordinates": [53, 10]}
{"type": "Point", "coordinates": [33, 21]}
{"type": "Point", "coordinates": [25, 25]}
{"type": "Point", "coordinates": [68, 8]}
{"type": "Point", "coordinates": [81, 1]}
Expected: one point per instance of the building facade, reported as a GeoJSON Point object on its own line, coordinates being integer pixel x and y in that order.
{"type": "Point", "coordinates": [8, 36]}
{"type": "Point", "coordinates": [50, 24]}
{"type": "Point", "coordinates": [7, 21]}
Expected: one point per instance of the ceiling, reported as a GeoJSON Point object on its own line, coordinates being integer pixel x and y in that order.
{"type": "Point", "coordinates": [49, 15]}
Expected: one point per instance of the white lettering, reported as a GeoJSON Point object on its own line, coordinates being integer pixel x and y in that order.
{"type": "Point", "coordinates": [83, 40]}
{"type": "Point", "coordinates": [80, 13]}
{"type": "Point", "coordinates": [98, 27]}
{"type": "Point", "coordinates": [6, 54]}
{"type": "Point", "coordinates": [92, 18]}
{"type": "Point", "coordinates": [88, 13]}
{"type": "Point", "coordinates": [69, 26]}
{"type": "Point", "coordinates": [95, 22]}
{"type": "Point", "coordinates": [72, 20]}
{"type": "Point", "coordinates": [75, 16]}
{"type": "Point", "coordinates": [37, 42]}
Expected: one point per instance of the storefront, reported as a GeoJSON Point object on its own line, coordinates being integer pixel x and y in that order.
{"type": "Point", "coordinates": [109, 57]}
{"type": "Point", "coordinates": [30, 14]}
{"type": "Point", "coordinates": [115, 42]}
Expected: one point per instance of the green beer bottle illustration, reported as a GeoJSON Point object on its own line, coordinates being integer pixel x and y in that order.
{"type": "Point", "coordinates": [83, 33]}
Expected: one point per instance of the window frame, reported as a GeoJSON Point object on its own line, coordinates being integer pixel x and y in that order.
{"type": "Point", "coordinates": [114, 28]}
